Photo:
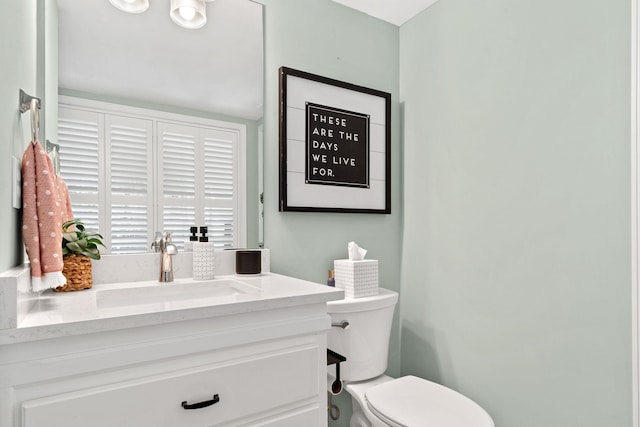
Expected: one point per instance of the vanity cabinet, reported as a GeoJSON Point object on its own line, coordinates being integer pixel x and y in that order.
{"type": "Point", "coordinates": [263, 368]}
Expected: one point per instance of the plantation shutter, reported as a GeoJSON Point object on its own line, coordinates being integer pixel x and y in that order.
{"type": "Point", "coordinates": [130, 175]}
{"type": "Point", "coordinates": [220, 184]}
{"type": "Point", "coordinates": [81, 139]}
{"type": "Point", "coordinates": [130, 183]}
{"type": "Point", "coordinates": [198, 170]}
{"type": "Point", "coordinates": [177, 178]}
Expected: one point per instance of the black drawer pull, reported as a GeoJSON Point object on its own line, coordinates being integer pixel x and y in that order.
{"type": "Point", "coordinates": [199, 405]}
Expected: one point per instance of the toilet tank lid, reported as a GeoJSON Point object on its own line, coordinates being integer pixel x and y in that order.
{"type": "Point", "coordinates": [385, 298]}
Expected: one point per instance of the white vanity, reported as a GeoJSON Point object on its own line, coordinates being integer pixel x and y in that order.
{"type": "Point", "coordinates": [247, 351]}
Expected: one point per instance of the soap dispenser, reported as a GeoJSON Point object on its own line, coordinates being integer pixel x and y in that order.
{"type": "Point", "coordinates": [188, 246]}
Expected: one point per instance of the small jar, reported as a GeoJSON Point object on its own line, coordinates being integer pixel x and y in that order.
{"type": "Point", "coordinates": [331, 281]}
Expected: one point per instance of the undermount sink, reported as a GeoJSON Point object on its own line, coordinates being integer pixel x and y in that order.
{"type": "Point", "coordinates": [173, 292]}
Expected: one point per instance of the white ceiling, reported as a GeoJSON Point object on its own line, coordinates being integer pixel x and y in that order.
{"type": "Point", "coordinates": [394, 11]}
{"type": "Point", "coordinates": [146, 56]}
{"type": "Point", "coordinates": [217, 68]}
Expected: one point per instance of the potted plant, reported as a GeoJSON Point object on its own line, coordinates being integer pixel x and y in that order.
{"type": "Point", "coordinates": [79, 247]}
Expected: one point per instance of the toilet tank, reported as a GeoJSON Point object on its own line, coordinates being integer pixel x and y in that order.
{"type": "Point", "coordinates": [365, 342]}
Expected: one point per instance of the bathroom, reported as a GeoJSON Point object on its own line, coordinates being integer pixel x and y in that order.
{"type": "Point", "coordinates": [508, 239]}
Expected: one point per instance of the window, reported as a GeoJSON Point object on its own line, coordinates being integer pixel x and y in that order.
{"type": "Point", "coordinates": [132, 172]}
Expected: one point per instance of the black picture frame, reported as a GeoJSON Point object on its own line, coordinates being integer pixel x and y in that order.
{"type": "Point", "coordinates": [335, 145]}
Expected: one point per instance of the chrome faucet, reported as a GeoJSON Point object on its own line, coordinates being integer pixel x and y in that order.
{"type": "Point", "coordinates": [167, 249]}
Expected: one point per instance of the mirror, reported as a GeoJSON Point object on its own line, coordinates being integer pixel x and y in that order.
{"type": "Point", "coordinates": [147, 59]}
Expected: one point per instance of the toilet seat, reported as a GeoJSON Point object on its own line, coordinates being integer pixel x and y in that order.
{"type": "Point", "coordinates": [412, 402]}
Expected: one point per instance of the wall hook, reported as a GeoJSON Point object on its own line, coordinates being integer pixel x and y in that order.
{"type": "Point", "coordinates": [26, 103]}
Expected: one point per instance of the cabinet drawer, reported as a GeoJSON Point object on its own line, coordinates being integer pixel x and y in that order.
{"type": "Point", "coordinates": [306, 418]}
{"type": "Point", "coordinates": [244, 387]}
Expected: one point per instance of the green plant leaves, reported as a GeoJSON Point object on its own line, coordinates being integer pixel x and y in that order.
{"type": "Point", "coordinates": [75, 240]}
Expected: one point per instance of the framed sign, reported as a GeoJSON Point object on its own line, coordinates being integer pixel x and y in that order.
{"type": "Point", "coordinates": [335, 145]}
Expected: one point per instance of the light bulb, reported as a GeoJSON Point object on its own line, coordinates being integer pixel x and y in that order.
{"type": "Point", "coordinates": [131, 6]}
{"type": "Point", "coordinates": [187, 13]}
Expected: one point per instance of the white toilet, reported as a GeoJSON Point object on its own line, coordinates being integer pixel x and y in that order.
{"type": "Point", "coordinates": [379, 400]}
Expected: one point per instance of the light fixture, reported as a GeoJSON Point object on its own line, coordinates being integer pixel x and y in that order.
{"type": "Point", "coordinates": [190, 14]}
{"type": "Point", "coordinates": [131, 6]}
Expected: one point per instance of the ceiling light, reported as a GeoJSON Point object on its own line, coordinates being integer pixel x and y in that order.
{"type": "Point", "coordinates": [188, 13]}
{"type": "Point", "coordinates": [131, 6]}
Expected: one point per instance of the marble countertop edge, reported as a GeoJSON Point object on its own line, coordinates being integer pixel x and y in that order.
{"type": "Point", "coordinates": [69, 314]}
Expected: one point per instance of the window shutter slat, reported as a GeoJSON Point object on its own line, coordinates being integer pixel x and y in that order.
{"type": "Point", "coordinates": [129, 153]}
{"type": "Point", "coordinates": [177, 220]}
{"type": "Point", "coordinates": [78, 137]}
{"type": "Point", "coordinates": [178, 158]}
{"type": "Point", "coordinates": [220, 223]}
{"type": "Point", "coordinates": [218, 168]}
{"type": "Point", "coordinates": [88, 214]}
{"type": "Point", "coordinates": [129, 224]}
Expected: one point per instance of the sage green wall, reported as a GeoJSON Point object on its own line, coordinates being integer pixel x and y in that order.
{"type": "Point", "coordinates": [515, 275]}
{"type": "Point", "coordinates": [325, 38]}
{"type": "Point", "coordinates": [18, 51]}
{"type": "Point", "coordinates": [331, 40]}
{"type": "Point", "coordinates": [516, 284]}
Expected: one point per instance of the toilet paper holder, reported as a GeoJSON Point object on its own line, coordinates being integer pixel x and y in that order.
{"type": "Point", "coordinates": [334, 358]}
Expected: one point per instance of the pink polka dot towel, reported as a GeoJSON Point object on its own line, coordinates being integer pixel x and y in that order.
{"type": "Point", "coordinates": [42, 217]}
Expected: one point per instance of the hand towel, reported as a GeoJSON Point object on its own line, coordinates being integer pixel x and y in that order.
{"type": "Point", "coordinates": [41, 219]}
{"type": "Point", "coordinates": [64, 199]}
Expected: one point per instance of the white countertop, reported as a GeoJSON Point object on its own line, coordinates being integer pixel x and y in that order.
{"type": "Point", "coordinates": [98, 309]}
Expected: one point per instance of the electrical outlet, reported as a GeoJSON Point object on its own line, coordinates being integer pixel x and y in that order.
{"type": "Point", "coordinates": [16, 183]}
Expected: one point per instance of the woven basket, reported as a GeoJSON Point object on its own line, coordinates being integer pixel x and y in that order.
{"type": "Point", "coordinates": [77, 270]}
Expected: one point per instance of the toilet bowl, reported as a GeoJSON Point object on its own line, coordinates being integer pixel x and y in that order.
{"type": "Point", "coordinates": [379, 400]}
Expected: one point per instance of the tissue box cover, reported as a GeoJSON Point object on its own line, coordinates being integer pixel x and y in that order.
{"type": "Point", "coordinates": [357, 278]}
